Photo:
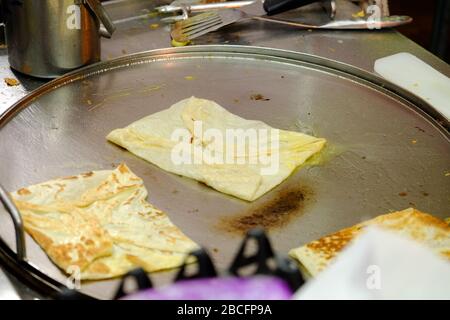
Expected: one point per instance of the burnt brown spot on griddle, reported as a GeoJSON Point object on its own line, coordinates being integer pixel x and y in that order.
{"type": "Point", "coordinates": [258, 97]}
{"type": "Point", "coordinates": [273, 214]}
{"type": "Point", "coordinates": [425, 194]}
{"type": "Point", "coordinates": [403, 194]}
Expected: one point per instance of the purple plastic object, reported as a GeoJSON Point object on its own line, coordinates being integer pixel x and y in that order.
{"type": "Point", "coordinates": [227, 288]}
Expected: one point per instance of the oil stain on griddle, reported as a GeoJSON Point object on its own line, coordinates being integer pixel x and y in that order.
{"type": "Point", "coordinates": [273, 214]}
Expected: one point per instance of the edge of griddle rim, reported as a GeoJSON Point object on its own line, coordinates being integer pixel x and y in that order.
{"type": "Point", "coordinates": [323, 63]}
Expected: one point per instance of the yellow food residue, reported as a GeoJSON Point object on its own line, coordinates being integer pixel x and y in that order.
{"type": "Point", "coordinates": [359, 14]}
{"type": "Point", "coordinates": [176, 43]}
{"type": "Point", "coordinates": [12, 82]}
{"type": "Point", "coordinates": [189, 78]}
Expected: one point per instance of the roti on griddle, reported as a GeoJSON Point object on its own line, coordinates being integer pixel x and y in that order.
{"type": "Point", "coordinates": [411, 223]}
{"type": "Point", "coordinates": [244, 173]}
{"type": "Point", "coordinates": [101, 223]}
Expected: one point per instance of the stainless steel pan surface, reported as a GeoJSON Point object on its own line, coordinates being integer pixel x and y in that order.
{"type": "Point", "coordinates": [387, 150]}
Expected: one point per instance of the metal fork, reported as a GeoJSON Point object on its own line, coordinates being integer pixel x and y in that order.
{"type": "Point", "coordinates": [196, 26]}
{"type": "Point", "coordinates": [203, 23]}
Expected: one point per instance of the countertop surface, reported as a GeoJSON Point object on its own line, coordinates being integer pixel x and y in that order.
{"type": "Point", "coordinates": [144, 32]}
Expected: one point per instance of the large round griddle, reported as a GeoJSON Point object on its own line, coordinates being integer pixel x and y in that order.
{"type": "Point", "coordinates": [387, 150]}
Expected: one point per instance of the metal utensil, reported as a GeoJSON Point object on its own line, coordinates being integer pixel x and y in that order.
{"type": "Point", "coordinates": [102, 16]}
{"type": "Point", "coordinates": [270, 7]}
{"type": "Point", "coordinates": [273, 7]}
{"type": "Point", "coordinates": [204, 23]}
{"type": "Point", "coordinates": [49, 38]}
{"type": "Point", "coordinates": [8, 204]}
{"type": "Point", "coordinates": [186, 9]}
{"type": "Point", "coordinates": [357, 24]}
{"type": "Point", "coordinates": [202, 6]}
{"type": "Point", "coordinates": [196, 26]}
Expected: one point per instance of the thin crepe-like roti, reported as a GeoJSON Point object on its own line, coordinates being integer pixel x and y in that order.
{"type": "Point", "coordinates": [101, 223]}
{"type": "Point", "coordinates": [411, 223]}
{"type": "Point", "coordinates": [151, 138]}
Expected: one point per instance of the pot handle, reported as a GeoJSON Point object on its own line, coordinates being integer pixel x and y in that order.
{"type": "Point", "coordinates": [102, 15]}
{"type": "Point", "coordinates": [17, 221]}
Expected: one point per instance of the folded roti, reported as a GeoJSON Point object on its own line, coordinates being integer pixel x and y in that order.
{"type": "Point", "coordinates": [101, 223]}
{"type": "Point", "coordinates": [411, 223]}
{"type": "Point", "coordinates": [245, 174]}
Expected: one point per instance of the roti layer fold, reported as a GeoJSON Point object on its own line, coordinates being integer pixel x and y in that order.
{"type": "Point", "coordinates": [410, 223]}
{"type": "Point", "coordinates": [151, 138]}
{"type": "Point", "coordinates": [101, 223]}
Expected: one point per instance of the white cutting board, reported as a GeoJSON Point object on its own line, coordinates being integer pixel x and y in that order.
{"type": "Point", "coordinates": [414, 75]}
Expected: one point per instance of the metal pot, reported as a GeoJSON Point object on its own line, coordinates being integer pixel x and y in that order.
{"type": "Point", "coordinates": [48, 38]}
